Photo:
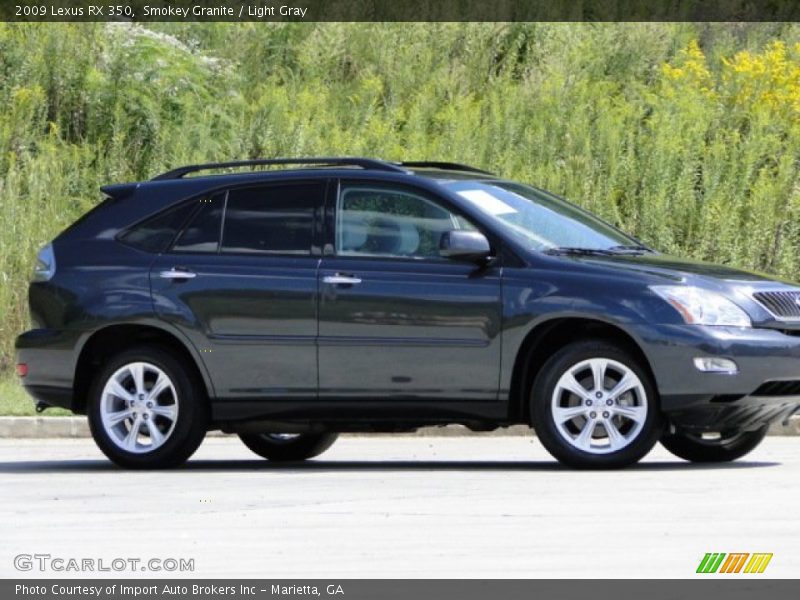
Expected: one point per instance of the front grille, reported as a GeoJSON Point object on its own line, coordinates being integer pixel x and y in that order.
{"type": "Point", "coordinates": [784, 304]}
{"type": "Point", "coordinates": [778, 388]}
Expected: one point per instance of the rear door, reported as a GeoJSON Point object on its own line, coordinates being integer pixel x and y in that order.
{"type": "Point", "coordinates": [397, 321]}
{"type": "Point", "coordinates": [241, 281]}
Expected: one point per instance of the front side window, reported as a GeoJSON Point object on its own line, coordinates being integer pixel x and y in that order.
{"type": "Point", "coordinates": [383, 221]}
{"type": "Point", "coordinates": [275, 219]}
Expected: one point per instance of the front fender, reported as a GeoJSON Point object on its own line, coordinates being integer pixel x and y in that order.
{"type": "Point", "coordinates": [533, 300]}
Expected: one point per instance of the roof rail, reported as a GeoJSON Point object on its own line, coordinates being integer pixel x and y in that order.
{"type": "Point", "coordinates": [449, 166]}
{"type": "Point", "coordinates": [364, 163]}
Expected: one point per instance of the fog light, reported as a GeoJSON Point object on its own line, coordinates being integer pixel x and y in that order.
{"type": "Point", "coordinates": [714, 364]}
{"type": "Point", "coordinates": [22, 369]}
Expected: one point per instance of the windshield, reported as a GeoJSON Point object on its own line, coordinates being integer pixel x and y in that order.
{"type": "Point", "coordinates": [539, 220]}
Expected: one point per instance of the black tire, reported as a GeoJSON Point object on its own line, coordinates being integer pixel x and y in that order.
{"type": "Point", "coordinates": [637, 444]}
{"type": "Point", "coordinates": [729, 446]}
{"type": "Point", "coordinates": [190, 424]}
{"type": "Point", "coordinates": [299, 447]}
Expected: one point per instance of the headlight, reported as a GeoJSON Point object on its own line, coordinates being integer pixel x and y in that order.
{"type": "Point", "coordinates": [702, 307]}
{"type": "Point", "coordinates": [45, 266]}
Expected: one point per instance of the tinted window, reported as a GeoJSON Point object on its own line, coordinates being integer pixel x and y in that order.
{"type": "Point", "coordinates": [155, 233]}
{"type": "Point", "coordinates": [276, 219]}
{"type": "Point", "coordinates": [202, 232]}
{"type": "Point", "coordinates": [381, 221]}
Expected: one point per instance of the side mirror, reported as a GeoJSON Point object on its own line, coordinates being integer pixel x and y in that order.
{"type": "Point", "coordinates": [461, 244]}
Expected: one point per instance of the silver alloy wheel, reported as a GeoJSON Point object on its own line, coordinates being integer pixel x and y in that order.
{"type": "Point", "coordinates": [139, 407]}
{"type": "Point", "coordinates": [599, 406]}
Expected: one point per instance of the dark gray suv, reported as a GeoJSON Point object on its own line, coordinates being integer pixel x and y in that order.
{"type": "Point", "coordinates": [303, 298]}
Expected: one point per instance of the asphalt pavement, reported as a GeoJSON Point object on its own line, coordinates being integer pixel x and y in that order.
{"type": "Point", "coordinates": [471, 507]}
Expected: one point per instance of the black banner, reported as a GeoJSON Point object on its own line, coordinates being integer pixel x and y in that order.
{"type": "Point", "coordinates": [400, 10]}
{"type": "Point", "coordinates": [394, 589]}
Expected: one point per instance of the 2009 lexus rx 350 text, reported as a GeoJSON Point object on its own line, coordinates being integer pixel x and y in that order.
{"type": "Point", "coordinates": [310, 297]}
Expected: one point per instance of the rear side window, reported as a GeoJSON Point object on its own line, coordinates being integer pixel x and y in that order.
{"type": "Point", "coordinates": [202, 233]}
{"type": "Point", "coordinates": [155, 234]}
{"type": "Point", "coordinates": [275, 219]}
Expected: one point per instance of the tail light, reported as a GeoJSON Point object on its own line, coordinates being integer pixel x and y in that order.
{"type": "Point", "coordinates": [45, 264]}
{"type": "Point", "coordinates": [22, 369]}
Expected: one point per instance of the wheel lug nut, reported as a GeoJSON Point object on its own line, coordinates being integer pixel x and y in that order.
{"type": "Point", "coordinates": [149, 405]}
{"type": "Point", "coordinates": [599, 394]}
{"type": "Point", "coordinates": [145, 416]}
{"type": "Point", "coordinates": [609, 402]}
{"type": "Point", "coordinates": [605, 415]}
{"type": "Point", "coordinates": [588, 403]}
{"type": "Point", "coordinates": [593, 414]}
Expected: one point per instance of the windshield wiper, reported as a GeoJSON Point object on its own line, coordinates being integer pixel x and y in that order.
{"type": "Point", "coordinates": [637, 248]}
{"type": "Point", "coordinates": [612, 251]}
{"type": "Point", "coordinates": [580, 251]}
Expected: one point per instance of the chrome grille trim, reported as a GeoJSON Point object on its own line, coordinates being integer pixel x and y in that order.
{"type": "Point", "coordinates": [784, 305]}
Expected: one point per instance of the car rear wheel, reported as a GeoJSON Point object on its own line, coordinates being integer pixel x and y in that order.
{"type": "Point", "coordinates": [146, 411]}
{"type": "Point", "coordinates": [594, 406]}
{"type": "Point", "coordinates": [709, 448]}
{"type": "Point", "coordinates": [288, 446]}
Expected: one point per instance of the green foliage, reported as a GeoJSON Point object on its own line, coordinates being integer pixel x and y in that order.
{"type": "Point", "coordinates": [616, 117]}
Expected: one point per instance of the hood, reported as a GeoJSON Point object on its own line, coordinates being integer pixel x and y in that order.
{"type": "Point", "coordinates": [676, 269]}
{"type": "Point", "coordinates": [661, 269]}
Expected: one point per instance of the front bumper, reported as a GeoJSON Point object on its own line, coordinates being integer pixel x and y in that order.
{"type": "Point", "coordinates": [698, 401]}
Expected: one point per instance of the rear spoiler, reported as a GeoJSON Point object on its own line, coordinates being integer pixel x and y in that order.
{"type": "Point", "coordinates": [118, 191]}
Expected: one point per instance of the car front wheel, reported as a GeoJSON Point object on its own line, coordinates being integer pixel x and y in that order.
{"type": "Point", "coordinates": [146, 411]}
{"type": "Point", "coordinates": [594, 406]}
{"type": "Point", "coordinates": [710, 448]}
{"type": "Point", "coordinates": [288, 446]}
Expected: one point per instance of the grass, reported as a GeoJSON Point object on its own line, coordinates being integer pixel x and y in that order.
{"type": "Point", "coordinates": [15, 402]}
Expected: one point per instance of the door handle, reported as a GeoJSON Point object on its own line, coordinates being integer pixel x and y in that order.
{"type": "Point", "coordinates": [177, 274]}
{"type": "Point", "coordinates": [340, 279]}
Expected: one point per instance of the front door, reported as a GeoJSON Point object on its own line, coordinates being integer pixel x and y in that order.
{"type": "Point", "coordinates": [241, 281]}
{"type": "Point", "coordinates": [396, 320]}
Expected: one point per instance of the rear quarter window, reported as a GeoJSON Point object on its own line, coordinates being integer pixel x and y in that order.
{"type": "Point", "coordinates": [202, 232]}
{"type": "Point", "coordinates": [156, 233]}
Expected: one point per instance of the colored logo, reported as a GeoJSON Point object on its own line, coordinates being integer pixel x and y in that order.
{"type": "Point", "coordinates": [735, 562]}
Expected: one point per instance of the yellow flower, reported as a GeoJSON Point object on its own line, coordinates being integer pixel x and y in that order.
{"type": "Point", "coordinates": [768, 80]}
{"type": "Point", "coordinates": [754, 81]}
{"type": "Point", "coordinates": [691, 71]}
